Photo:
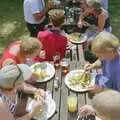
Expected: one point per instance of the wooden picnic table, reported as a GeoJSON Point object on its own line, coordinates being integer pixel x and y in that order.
{"type": "Point", "coordinates": [60, 95]}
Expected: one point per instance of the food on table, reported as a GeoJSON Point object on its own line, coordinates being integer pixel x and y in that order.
{"type": "Point", "coordinates": [40, 70]}
{"type": "Point", "coordinates": [74, 37]}
{"type": "Point", "coordinates": [82, 79]}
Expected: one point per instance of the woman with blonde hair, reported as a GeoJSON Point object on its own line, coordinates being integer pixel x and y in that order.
{"type": "Point", "coordinates": [95, 19]}
{"type": "Point", "coordinates": [107, 48]}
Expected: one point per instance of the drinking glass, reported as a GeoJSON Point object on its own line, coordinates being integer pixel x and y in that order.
{"type": "Point", "coordinates": [64, 66]}
{"type": "Point", "coordinates": [72, 103]}
{"type": "Point", "coordinates": [56, 59]}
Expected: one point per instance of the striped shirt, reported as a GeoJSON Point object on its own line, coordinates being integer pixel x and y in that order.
{"type": "Point", "coordinates": [11, 104]}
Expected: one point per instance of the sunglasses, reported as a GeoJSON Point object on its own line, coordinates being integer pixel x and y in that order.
{"type": "Point", "coordinates": [20, 73]}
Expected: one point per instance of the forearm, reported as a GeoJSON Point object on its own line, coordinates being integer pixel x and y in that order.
{"type": "Point", "coordinates": [39, 16]}
{"type": "Point", "coordinates": [29, 88]}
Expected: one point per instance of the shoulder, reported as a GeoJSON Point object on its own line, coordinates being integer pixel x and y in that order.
{"type": "Point", "coordinates": [104, 13]}
{"type": "Point", "coordinates": [43, 34]}
{"type": "Point", "coordinates": [8, 61]}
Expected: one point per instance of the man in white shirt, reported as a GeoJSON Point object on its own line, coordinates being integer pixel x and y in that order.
{"type": "Point", "coordinates": [34, 14]}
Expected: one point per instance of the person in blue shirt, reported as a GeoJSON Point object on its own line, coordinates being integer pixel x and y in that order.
{"type": "Point", "coordinates": [107, 48]}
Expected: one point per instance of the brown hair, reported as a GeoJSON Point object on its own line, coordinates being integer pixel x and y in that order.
{"type": "Point", "coordinates": [29, 45]}
{"type": "Point", "coordinates": [57, 17]}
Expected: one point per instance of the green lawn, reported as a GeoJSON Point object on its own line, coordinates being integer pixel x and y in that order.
{"type": "Point", "coordinates": [12, 26]}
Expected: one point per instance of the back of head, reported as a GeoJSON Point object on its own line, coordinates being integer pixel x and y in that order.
{"type": "Point", "coordinates": [57, 17]}
{"type": "Point", "coordinates": [29, 45]}
{"type": "Point", "coordinates": [95, 3]}
{"type": "Point", "coordinates": [14, 73]}
{"type": "Point", "coordinates": [107, 104]}
{"type": "Point", "coordinates": [105, 42]}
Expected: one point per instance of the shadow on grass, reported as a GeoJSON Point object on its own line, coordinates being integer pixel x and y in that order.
{"type": "Point", "coordinates": [11, 22]}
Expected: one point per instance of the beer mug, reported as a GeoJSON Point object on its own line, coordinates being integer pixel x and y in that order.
{"type": "Point", "coordinates": [64, 66]}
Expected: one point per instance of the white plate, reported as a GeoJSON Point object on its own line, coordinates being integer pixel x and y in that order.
{"type": "Point", "coordinates": [77, 88]}
{"type": "Point", "coordinates": [50, 71]}
{"type": "Point", "coordinates": [71, 39]}
{"type": "Point", "coordinates": [49, 108]}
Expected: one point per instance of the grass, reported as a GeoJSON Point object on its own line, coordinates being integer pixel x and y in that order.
{"type": "Point", "coordinates": [11, 21]}
{"type": "Point", "coordinates": [13, 26]}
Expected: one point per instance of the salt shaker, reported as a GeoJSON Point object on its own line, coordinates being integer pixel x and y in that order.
{"type": "Point", "coordinates": [56, 83]}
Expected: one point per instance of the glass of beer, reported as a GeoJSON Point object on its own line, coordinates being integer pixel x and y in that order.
{"type": "Point", "coordinates": [56, 60]}
{"type": "Point", "coordinates": [72, 103]}
{"type": "Point", "coordinates": [64, 66]}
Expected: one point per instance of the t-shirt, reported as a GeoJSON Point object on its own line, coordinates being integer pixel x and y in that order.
{"type": "Point", "coordinates": [31, 7]}
{"type": "Point", "coordinates": [13, 47]}
{"type": "Point", "coordinates": [53, 41]}
{"type": "Point", "coordinates": [111, 69]}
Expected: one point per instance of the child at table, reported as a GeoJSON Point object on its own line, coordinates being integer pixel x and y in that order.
{"type": "Point", "coordinates": [53, 39]}
{"type": "Point", "coordinates": [106, 47]}
{"type": "Point", "coordinates": [105, 104]}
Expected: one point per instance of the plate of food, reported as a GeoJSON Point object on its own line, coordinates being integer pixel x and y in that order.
{"type": "Point", "coordinates": [47, 110]}
{"type": "Point", "coordinates": [75, 38]}
{"type": "Point", "coordinates": [78, 80]}
{"type": "Point", "coordinates": [44, 70]}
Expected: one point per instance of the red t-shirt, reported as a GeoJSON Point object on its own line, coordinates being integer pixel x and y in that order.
{"type": "Point", "coordinates": [52, 41]}
{"type": "Point", "coordinates": [8, 53]}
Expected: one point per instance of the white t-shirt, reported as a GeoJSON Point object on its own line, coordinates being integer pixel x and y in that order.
{"type": "Point", "coordinates": [31, 7]}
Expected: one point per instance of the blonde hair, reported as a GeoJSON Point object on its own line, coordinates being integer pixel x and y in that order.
{"type": "Point", "coordinates": [95, 3]}
{"type": "Point", "coordinates": [107, 103]}
{"type": "Point", "coordinates": [105, 42]}
{"type": "Point", "coordinates": [29, 45]}
{"type": "Point", "coordinates": [57, 17]}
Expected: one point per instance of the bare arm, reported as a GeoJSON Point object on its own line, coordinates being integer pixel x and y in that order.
{"type": "Point", "coordinates": [85, 13]}
{"type": "Point", "coordinates": [39, 15]}
{"type": "Point", "coordinates": [101, 22]}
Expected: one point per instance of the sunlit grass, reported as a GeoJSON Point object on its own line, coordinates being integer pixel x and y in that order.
{"type": "Point", "coordinates": [12, 25]}
{"type": "Point", "coordinates": [7, 28]}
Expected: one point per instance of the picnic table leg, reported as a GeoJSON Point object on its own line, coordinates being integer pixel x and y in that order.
{"type": "Point", "coordinates": [77, 51]}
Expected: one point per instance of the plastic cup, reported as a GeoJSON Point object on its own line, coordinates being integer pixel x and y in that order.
{"type": "Point", "coordinates": [72, 103]}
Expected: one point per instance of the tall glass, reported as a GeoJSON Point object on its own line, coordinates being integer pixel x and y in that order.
{"type": "Point", "coordinates": [64, 66]}
{"type": "Point", "coordinates": [72, 103]}
{"type": "Point", "coordinates": [56, 60]}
